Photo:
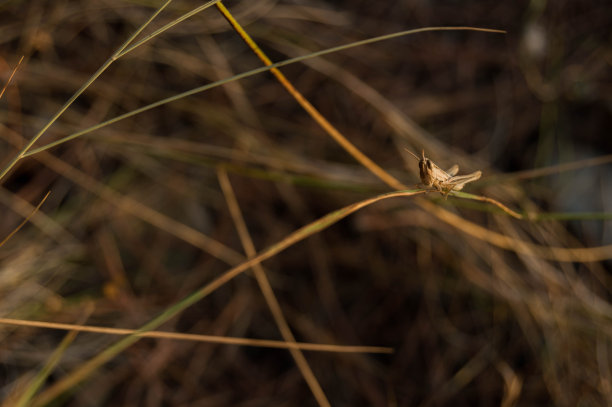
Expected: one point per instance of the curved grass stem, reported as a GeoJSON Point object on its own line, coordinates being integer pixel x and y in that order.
{"type": "Point", "coordinates": [243, 75]}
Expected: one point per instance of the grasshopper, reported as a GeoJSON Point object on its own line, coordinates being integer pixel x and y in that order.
{"type": "Point", "coordinates": [443, 181]}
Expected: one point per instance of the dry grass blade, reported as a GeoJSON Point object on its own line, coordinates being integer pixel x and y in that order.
{"type": "Point", "coordinates": [266, 289]}
{"type": "Point", "coordinates": [224, 340]}
{"type": "Point", "coordinates": [6, 239]}
{"type": "Point", "coordinates": [554, 169]}
{"type": "Point", "coordinates": [500, 205]}
{"type": "Point", "coordinates": [462, 377]}
{"type": "Point", "coordinates": [10, 77]}
{"type": "Point", "coordinates": [187, 143]}
{"type": "Point", "coordinates": [44, 222]}
{"type": "Point", "coordinates": [513, 384]}
{"type": "Point", "coordinates": [87, 368]}
{"type": "Point", "coordinates": [555, 253]}
{"type": "Point", "coordinates": [313, 112]}
{"type": "Point", "coordinates": [138, 209]}
{"type": "Point", "coordinates": [578, 254]}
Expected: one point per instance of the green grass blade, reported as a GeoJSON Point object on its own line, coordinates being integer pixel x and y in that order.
{"type": "Point", "coordinates": [248, 74]}
{"type": "Point", "coordinates": [78, 93]}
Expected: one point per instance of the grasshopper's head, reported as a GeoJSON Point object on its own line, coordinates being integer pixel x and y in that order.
{"type": "Point", "coordinates": [426, 170]}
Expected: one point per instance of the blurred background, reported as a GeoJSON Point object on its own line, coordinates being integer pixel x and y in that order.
{"type": "Point", "coordinates": [123, 234]}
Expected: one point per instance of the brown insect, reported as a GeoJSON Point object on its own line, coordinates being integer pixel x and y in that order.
{"type": "Point", "coordinates": [443, 181]}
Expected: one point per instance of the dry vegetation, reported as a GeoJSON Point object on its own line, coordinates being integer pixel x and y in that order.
{"type": "Point", "coordinates": [479, 308]}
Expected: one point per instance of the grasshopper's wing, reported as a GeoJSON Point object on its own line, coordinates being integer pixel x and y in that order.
{"type": "Point", "coordinates": [452, 171]}
{"type": "Point", "coordinates": [459, 181]}
{"type": "Point", "coordinates": [438, 173]}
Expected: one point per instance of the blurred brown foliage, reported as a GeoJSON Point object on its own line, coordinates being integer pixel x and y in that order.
{"type": "Point", "coordinates": [471, 324]}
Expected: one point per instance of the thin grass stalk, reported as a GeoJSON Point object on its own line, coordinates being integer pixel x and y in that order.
{"type": "Point", "coordinates": [267, 291]}
{"type": "Point", "coordinates": [89, 367]}
{"type": "Point", "coordinates": [82, 89]}
{"type": "Point", "coordinates": [243, 75]}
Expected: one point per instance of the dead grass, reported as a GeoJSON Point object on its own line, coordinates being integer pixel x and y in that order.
{"type": "Point", "coordinates": [161, 205]}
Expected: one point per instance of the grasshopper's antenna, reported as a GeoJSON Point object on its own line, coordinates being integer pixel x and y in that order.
{"type": "Point", "coordinates": [413, 154]}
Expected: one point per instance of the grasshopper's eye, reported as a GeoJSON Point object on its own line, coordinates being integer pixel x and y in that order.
{"type": "Point", "coordinates": [429, 164]}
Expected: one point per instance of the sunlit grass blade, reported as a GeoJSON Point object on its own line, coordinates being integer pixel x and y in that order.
{"type": "Point", "coordinates": [87, 368]}
{"type": "Point", "coordinates": [504, 208]}
{"type": "Point", "coordinates": [222, 340]}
